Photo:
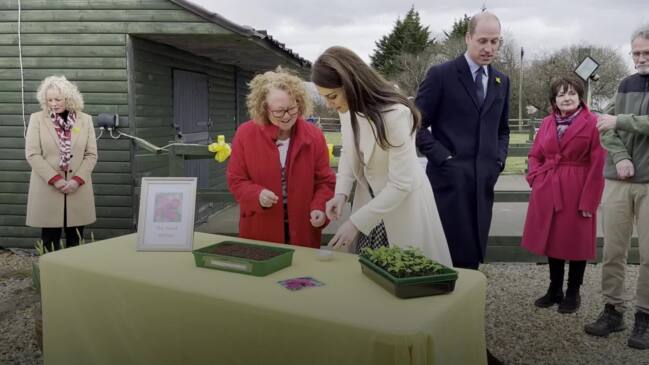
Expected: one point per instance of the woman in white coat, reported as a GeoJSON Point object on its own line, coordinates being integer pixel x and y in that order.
{"type": "Point", "coordinates": [60, 147]}
{"type": "Point", "coordinates": [393, 201]}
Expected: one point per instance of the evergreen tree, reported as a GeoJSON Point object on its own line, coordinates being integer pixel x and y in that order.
{"type": "Point", "coordinates": [454, 44]}
{"type": "Point", "coordinates": [459, 29]}
{"type": "Point", "coordinates": [407, 36]}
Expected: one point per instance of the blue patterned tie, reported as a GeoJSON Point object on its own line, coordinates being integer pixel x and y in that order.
{"type": "Point", "coordinates": [479, 88]}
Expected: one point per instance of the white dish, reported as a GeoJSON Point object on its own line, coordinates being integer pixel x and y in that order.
{"type": "Point", "coordinates": [324, 255]}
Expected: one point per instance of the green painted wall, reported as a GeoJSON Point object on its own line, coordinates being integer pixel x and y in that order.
{"type": "Point", "coordinates": [86, 41]}
{"type": "Point", "coordinates": [153, 66]}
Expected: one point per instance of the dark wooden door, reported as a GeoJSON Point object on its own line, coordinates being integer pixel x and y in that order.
{"type": "Point", "coordinates": [191, 115]}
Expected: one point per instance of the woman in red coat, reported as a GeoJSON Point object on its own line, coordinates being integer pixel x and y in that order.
{"type": "Point", "coordinates": [566, 176]}
{"type": "Point", "coordinates": [279, 169]}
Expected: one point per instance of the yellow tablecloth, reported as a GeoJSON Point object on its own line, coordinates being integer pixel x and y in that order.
{"type": "Point", "coordinates": [106, 303]}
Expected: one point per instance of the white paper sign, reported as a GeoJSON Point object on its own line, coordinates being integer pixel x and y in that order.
{"type": "Point", "coordinates": [166, 218]}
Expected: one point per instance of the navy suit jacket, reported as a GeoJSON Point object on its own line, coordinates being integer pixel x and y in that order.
{"type": "Point", "coordinates": [466, 148]}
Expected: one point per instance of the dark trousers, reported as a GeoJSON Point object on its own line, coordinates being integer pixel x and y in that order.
{"type": "Point", "coordinates": [575, 273]}
{"type": "Point", "coordinates": [51, 236]}
{"type": "Point", "coordinates": [287, 233]}
{"type": "Point", "coordinates": [470, 266]}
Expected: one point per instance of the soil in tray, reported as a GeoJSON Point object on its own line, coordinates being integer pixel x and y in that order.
{"type": "Point", "coordinates": [246, 252]}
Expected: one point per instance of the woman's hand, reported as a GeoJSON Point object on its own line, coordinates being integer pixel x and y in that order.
{"type": "Point", "coordinates": [586, 214]}
{"type": "Point", "coordinates": [70, 187]}
{"type": "Point", "coordinates": [60, 184]}
{"type": "Point", "coordinates": [344, 237]}
{"type": "Point", "coordinates": [317, 218]}
{"type": "Point", "coordinates": [267, 198]}
{"type": "Point", "coordinates": [334, 207]}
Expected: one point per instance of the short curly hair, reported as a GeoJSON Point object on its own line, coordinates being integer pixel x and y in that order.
{"type": "Point", "coordinates": [69, 91]}
{"type": "Point", "coordinates": [279, 79]}
{"type": "Point", "coordinates": [564, 83]}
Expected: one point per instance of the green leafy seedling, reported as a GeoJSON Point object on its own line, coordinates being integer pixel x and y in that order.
{"type": "Point", "coordinates": [402, 262]}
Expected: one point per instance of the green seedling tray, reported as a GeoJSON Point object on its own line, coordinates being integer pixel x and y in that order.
{"type": "Point", "coordinates": [412, 287]}
{"type": "Point", "coordinates": [207, 259]}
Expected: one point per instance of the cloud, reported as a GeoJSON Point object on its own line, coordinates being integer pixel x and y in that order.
{"type": "Point", "coordinates": [357, 34]}
{"type": "Point", "coordinates": [308, 27]}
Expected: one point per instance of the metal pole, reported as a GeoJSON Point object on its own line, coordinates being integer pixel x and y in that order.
{"type": "Point", "coordinates": [588, 97]}
{"type": "Point", "coordinates": [520, 95]}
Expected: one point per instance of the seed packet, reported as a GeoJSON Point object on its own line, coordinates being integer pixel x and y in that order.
{"type": "Point", "coordinates": [300, 283]}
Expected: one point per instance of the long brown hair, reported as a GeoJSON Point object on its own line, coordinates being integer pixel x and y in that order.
{"type": "Point", "coordinates": [367, 93]}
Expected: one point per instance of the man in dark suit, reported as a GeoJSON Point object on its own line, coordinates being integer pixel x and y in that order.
{"type": "Point", "coordinates": [465, 103]}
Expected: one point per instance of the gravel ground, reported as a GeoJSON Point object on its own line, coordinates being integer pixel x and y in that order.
{"type": "Point", "coordinates": [520, 333]}
{"type": "Point", "coordinates": [18, 299]}
{"type": "Point", "coordinates": [517, 331]}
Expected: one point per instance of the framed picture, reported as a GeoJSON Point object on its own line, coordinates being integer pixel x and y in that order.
{"type": "Point", "coordinates": [166, 219]}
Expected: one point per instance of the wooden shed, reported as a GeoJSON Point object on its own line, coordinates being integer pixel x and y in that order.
{"type": "Point", "coordinates": [171, 70]}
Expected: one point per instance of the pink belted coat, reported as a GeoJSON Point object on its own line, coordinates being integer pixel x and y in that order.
{"type": "Point", "coordinates": [566, 178]}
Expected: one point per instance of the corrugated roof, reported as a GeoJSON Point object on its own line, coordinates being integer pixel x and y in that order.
{"type": "Point", "coordinates": [259, 36]}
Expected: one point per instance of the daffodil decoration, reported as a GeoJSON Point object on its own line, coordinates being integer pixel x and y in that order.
{"type": "Point", "coordinates": [497, 80]}
{"type": "Point", "coordinates": [222, 150]}
{"type": "Point", "coordinates": [330, 147]}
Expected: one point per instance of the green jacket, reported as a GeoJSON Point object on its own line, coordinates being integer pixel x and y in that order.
{"type": "Point", "coordinates": [630, 138]}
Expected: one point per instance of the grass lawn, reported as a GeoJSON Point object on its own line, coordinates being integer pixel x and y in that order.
{"type": "Point", "coordinates": [518, 138]}
{"type": "Point", "coordinates": [514, 165]}
{"type": "Point", "coordinates": [514, 138]}
{"type": "Point", "coordinates": [333, 138]}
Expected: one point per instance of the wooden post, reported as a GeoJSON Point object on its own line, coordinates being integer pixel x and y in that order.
{"type": "Point", "coordinates": [176, 162]}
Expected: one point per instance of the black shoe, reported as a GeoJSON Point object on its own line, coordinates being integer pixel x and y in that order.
{"type": "Point", "coordinates": [492, 360]}
{"type": "Point", "coordinates": [609, 321]}
{"type": "Point", "coordinates": [552, 297]}
{"type": "Point", "coordinates": [639, 338]}
{"type": "Point", "coordinates": [570, 303]}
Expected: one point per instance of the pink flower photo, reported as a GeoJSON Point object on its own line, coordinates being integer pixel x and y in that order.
{"type": "Point", "coordinates": [168, 207]}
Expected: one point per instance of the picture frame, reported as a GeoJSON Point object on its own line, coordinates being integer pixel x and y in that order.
{"type": "Point", "coordinates": [166, 216]}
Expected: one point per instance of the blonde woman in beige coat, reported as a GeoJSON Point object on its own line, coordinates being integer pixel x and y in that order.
{"type": "Point", "coordinates": [393, 203]}
{"type": "Point", "coordinates": [60, 147]}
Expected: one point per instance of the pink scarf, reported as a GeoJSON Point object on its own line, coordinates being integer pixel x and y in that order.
{"type": "Point", "coordinates": [564, 122]}
{"type": "Point", "coordinates": [64, 131]}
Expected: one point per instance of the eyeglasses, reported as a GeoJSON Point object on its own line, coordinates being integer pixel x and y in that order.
{"type": "Point", "coordinates": [279, 113]}
{"type": "Point", "coordinates": [637, 54]}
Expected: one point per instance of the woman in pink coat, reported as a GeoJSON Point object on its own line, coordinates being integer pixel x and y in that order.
{"type": "Point", "coordinates": [566, 176]}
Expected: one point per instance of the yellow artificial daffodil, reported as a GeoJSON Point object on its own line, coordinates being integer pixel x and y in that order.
{"type": "Point", "coordinates": [222, 150]}
{"type": "Point", "coordinates": [497, 80]}
{"type": "Point", "coordinates": [330, 147]}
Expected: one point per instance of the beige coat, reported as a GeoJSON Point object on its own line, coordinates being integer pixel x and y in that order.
{"type": "Point", "coordinates": [403, 197]}
{"type": "Point", "coordinates": [45, 202]}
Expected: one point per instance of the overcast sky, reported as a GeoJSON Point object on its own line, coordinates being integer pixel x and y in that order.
{"type": "Point", "coordinates": [309, 27]}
